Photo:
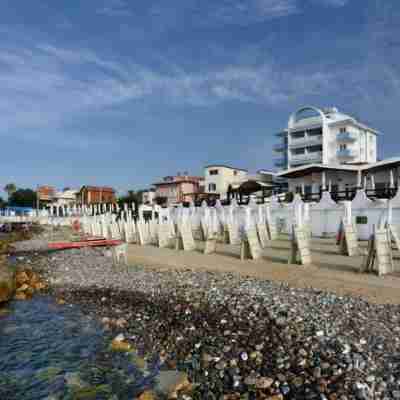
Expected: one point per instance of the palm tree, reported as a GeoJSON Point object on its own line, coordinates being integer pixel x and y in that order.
{"type": "Point", "coordinates": [10, 188]}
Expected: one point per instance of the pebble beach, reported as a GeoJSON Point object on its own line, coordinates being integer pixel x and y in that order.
{"type": "Point", "coordinates": [235, 337]}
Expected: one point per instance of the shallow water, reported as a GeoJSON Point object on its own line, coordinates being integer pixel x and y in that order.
{"type": "Point", "coordinates": [49, 351]}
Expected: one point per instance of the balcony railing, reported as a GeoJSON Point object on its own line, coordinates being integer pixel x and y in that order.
{"type": "Point", "coordinates": [306, 157]}
{"type": "Point", "coordinates": [345, 137]}
{"type": "Point", "coordinates": [280, 163]}
{"type": "Point", "coordinates": [345, 153]}
{"type": "Point", "coordinates": [279, 148]}
{"type": "Point", "coordinates": [306, 141]}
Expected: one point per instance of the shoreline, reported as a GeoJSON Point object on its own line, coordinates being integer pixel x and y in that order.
{"type": "Point", "coordinates": [331, 272]}
{"type": "Point", "coordinates": [235, 335]}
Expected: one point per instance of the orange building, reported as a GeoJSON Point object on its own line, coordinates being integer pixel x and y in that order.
{"type": "Point", "coordinates": [96, 195]}
{"type": "Point", "coordinates": [45, 194]}
{"type": "Point", "coordinates": [177, 189]}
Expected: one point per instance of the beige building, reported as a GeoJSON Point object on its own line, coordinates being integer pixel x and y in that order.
{"type": "Point", "coordinates": [218, 178]}
{"type": "Point", "coordinates": [65, 197]}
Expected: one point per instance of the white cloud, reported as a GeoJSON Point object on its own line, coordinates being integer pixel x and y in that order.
{"type": "Point", "coordinates": [49, 86]}
{"type": "Point", "coordinates": [209, 13]}
{"type": "Point", "coordinates": [244, 12]}
{"type": "Point", "coordinates": [114, 8]}
{"type": "Point", "coordinates": [332, 3]}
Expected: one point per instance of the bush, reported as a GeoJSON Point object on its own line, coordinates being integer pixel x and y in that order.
{"type": "Point", "coordinates": [289, 196]}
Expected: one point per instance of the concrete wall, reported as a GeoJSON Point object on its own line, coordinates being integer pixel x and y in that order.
{"type": "Point", "coordinates": [325, 220]}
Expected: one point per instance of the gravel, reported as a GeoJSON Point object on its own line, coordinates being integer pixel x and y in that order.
{"type": "Point", "coordinates": [235, 336]}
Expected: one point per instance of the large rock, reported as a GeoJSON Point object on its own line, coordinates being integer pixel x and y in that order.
{"type": "Point", "coordinates": [169, 383]}
{"type": "Point", "coordinates": [147, 395]}
{"type": "Point", "coordinates": [7, 280]}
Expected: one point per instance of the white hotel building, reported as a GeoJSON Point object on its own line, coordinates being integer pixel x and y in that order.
{"type": "Point", "coordinates": [329, 137]}
{"type": "Point", "coordinates": [326, 149]}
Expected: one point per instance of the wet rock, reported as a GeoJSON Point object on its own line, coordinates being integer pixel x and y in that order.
{"type": "Point", "coordinates": [264, 382]}
{"type": "Point", "coordinates": [21, 296]}
{"type": "Point", "coordinates": [170, 383]}
{"type": "Point", "coordinates": [7, 281]}
{"type": "Point", "coordinates": [119, 338]}
{"type": "Point", "coordinates": [120, 344]}
{"type": "Point", "coordinates": [121, 322]}
{"type": "Point", "coordinates": [92, 392]}
{"type": "Point", "coordinates": [22, 288]}
{"type": "Point", "coordinates": [48, 374]}
{"type": "Point", "coordinates": [147, 395]}
{"type": "Point", "coordinates": [73, 379]}
{"type": "Point", "coordinates": [4, 312]}
{"type": "Point", "coordinates": [21, 278]}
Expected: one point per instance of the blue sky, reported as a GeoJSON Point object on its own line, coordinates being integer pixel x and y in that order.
{"type": "Point", "coordinates": [122, 92]}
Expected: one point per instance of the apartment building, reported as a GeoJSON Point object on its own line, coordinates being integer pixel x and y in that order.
{"type": "Point", "coordinates": [218, 178]}
{"type": "Point", "coordinates": [325, 136]}
{"type": "Point", "coordinates": [96, 195]}
{"type": "Point", "coordinates": [177, 189]}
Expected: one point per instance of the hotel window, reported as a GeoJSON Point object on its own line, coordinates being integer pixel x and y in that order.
{"type": "Point", "coordinates": [213, 172]}
{"type": "Point", "coordinates": [298, 151]}
{"type": "Point", "coordinates": [298, 135]}
{"type": "Point", "coordinates": [235, 173]}
{"type": "Point", "coordinates": [315, 132]}
{"type": "Point", "coordinates": [342, 130]}
{"type": "Point", "coordinates": [212, 187]}
{"type": "Point", "coordinates": [343, 147]}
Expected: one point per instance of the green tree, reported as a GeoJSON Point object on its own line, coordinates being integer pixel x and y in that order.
{"type": "Point", "coordinates": [161, 200]}
{"type": "Point", "coordinates": [289, 196]}
{"type": "Point", "coordinates": [23, 198]}
{"type": "Point", "coordinates": [10, 188]}
{"type": "Point", "coordinates": [139, 195]}
{"type": "Point", "coordinates": [130, 197]}
{"type": "Point", "coordinates": [2, 203]}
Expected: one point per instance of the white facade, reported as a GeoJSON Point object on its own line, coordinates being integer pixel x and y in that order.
{"type": "Point", "coordinates": [314, 178]}
{"type": "Point", "coordinates": [218, 178]}
{"type": "Point", "coordinates": [326, 137]}
{"type": "Point", "coordinates": [148, 196]}
{"type": "Point", "coordinates": [65, 198]}
{"type": "Point", "coordinates": [335, 181]}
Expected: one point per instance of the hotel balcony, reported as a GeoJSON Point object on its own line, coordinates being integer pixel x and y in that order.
{"type": "Point", "coordinates": [280, 163]}
{"type": "Point", "coordinates": [306, 141]}
{"type": "Point", "coordinates": [279, 148]}
{"type": "Point", "coordinates": [345, 137]}
{"type": "Point", "coordinates": [306, 158]}
{"type": "Point", "coordinates": [345, 154]}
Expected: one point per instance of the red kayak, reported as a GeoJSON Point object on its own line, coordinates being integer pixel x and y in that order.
{"type": "Point", "coordinates": [84, 243]}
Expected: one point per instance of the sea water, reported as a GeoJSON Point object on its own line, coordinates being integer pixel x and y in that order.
{"type": "Point", "coordinates": [50, 351]}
